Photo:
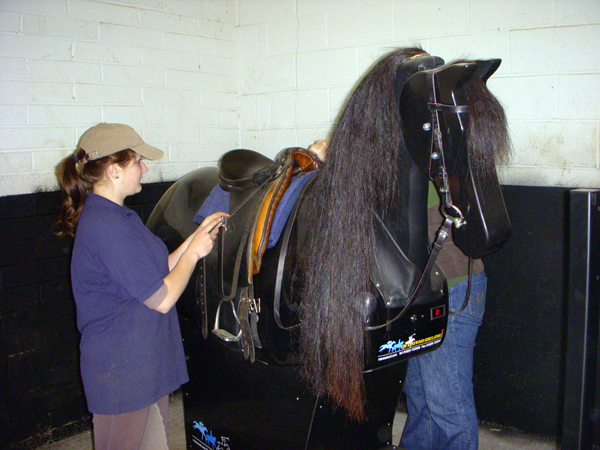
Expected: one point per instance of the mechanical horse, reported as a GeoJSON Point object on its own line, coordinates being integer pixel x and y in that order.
{"type": "Point", "coordinates": [303, 343]}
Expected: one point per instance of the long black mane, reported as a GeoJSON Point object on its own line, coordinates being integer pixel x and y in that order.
{"type": "Point", "coordinates": [361, 177]}
{"type": "Point", "coordinates": [358, 177]}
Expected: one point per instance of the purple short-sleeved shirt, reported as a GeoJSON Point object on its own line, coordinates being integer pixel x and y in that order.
{"type": "Point", "coordinates": [131, 355]}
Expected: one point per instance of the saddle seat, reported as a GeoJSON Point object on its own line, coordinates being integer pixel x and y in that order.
{"type": "Point", "coordinates": [242, 169]}
{"type": "Point", "coordinates": [256, 185]}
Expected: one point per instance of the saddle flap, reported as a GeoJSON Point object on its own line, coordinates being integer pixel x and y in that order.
{"type": "Point", "coordinates": [262, 229]}
{"type": "Point", "coordinates": [234, 243]}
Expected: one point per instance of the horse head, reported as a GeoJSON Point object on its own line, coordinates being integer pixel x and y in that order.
{"type": "Point", "coordinates": [455, 131]}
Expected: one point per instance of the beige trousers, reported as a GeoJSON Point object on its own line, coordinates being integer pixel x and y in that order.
{"type": "Point", "coordinates": [146, 429]}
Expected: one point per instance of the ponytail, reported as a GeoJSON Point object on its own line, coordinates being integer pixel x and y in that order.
{"type": "Point", "coordinates": [76, 177]}
{"type": "Point", "coordinates": [75, 191]}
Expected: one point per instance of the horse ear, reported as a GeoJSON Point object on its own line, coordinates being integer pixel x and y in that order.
{"type": "Point", "coordinates": [450, 77]}
{"type": "Point", "coordinates": [486, 69]}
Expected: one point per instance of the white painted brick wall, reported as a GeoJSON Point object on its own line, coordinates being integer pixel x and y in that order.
{"type": "Point", "coordinates": [319, 69]}
{"type": "Point", "coordinates": [549, 80]}
{"type": "Point", "coordinates": [46, 8]}
{"type": "Point", "coordinates": [504, 15]}
{"type": "Point", "coordinates": [578, 97]}
{"type": "Point", "coordinates": [190, 44]}
{"type": "Point", "coordinates": [431, 19]}
{"type": "Point", "coordinates": [312, 32]}
{"type": "Point", "coordinates": [268, 74]}
{"type": "Point", "coordinates": [78, 115]}
{"type": "Point", "coordinates": [175, 23]}
{"type": "Point", "coordinates": [167, 68]}
{"type": "Point", "coordinates": [199, 77]}
{"type": "Point", "coordinates": [264, 11]}
{"type": "Point", "coordinates": [356, 26]}
{"type": "Point", "coordinates": [555, 50]}
{"type": "Point", "coordinates": [99, 53]}
{"type": "Point", "coordinates": [10, 21]}
{"type": "Point", "coordinates": [586, 11]}
{"type": "Point", "coordinates": [60, 27]}
{"type": "Point", "coordinates": [105, 13]}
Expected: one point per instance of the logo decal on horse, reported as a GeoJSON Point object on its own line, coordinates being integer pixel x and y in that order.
{"type": "Point", "coordinates": [392, 346]}
{"type": "Point", "coordinates": [208, 441]}
{"type": "Point", "coordinates": [394, 349]}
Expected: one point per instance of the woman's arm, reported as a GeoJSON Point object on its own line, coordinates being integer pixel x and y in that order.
{"type": "Point", "coordinates": [184, 259]}
{"type": "Point", "coordinates": [174, 257]}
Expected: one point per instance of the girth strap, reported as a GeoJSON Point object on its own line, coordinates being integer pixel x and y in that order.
{"type": "Point", "coordinates": [281, 261]}
{"type": "Point", "coordinates": [234, 267]}
{"type": "Point", "coordinates": [248, 315]}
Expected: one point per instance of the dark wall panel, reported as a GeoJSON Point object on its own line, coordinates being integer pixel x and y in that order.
{"type": "Point", "coordinates": [518, 359]}
{"type": "Point", "coordinates": [520, 347]}
{"type": "Point", "coordinates": [41, 396]}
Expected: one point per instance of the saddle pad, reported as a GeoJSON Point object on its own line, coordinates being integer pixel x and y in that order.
{"type": "Point", "coordinates": [218, 201]}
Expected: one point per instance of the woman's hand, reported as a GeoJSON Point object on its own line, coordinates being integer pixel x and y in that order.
{"type": "Point", "coordinates": [200, 235]}
{"type": "Point", "coordinates": [204, 237]}
{"type": "Point", "coordinates": [183, 261]}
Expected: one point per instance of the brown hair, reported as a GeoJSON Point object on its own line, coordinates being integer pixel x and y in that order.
{"type": "Point", "coordinates": [76, 178]}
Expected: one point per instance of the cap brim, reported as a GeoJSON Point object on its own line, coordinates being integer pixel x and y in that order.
{"type": "Point", "coordinates": [149, 152]}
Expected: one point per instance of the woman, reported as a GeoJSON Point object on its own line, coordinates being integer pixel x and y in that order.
{"type": "Point", "coordinates": [125, 285]}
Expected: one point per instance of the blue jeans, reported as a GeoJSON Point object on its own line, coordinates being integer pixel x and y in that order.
{"type": "Point", "coordinates": [439, 384]}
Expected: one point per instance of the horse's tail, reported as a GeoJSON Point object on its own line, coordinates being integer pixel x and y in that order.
{"type": "Point", "coordinates": [358, 178]}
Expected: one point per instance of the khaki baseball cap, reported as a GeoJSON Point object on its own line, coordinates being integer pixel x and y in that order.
{"type": "Point", "coordinates": [107, 138]}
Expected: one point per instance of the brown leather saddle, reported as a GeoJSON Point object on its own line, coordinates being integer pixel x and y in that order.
{"type": "Point", "coordinates": [256, 185]}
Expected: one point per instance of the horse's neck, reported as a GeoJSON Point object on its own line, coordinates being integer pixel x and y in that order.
{"type": "Point", "coordinates": [407, 217]}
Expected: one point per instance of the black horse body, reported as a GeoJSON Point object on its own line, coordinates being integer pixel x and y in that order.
{"type": "Point", "coordinates": [248, 386]}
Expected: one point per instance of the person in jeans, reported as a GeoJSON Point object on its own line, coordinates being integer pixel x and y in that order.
{"type": "Point", "coordinates": [125, 286]}
{"type": "Point", "coordinates": [439, 384]}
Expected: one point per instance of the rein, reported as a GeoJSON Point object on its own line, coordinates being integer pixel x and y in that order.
{"type": "Point", "coordinates": [443, 233]}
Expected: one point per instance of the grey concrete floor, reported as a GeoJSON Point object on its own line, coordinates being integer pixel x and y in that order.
{"type": "Point", "coordinates": [489, 438]}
